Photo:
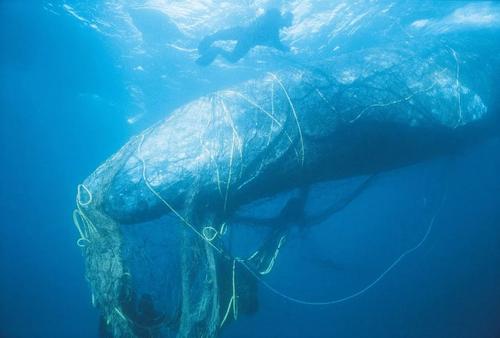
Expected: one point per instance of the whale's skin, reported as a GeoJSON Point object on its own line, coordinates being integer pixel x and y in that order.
{"type": "Point", "coordinates": [354, 114]}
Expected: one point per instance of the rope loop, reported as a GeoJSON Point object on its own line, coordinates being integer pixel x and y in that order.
{"type": "Point", "coordinates": [79, 195]}
{"type": "Point", "coordinates": [209, 233]}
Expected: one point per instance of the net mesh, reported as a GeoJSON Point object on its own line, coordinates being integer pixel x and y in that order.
{"type": "Point", "coordinates": [153, 218]}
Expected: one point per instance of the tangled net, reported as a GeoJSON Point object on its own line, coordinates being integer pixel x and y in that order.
{"type": "Point", "coordinates": [154, 219]}
{"type": "Point", "coordinates": [228, 281]}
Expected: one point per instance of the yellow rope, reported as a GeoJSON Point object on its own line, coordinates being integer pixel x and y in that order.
{"type": "Point", "coordinates": [409, 97]}
{"type": "Point", "coordinates": [83, 240]}
{"type": "Point", "coordinates": [457, 87]}
{"type": "Point", "coordinates": [87, 229]}
{"type": "Point", "coordinates": [232, 305]}
{"type": "Point", "coordinates": [232, 301]}
{"type": "Point", "coordinates": [273, 259]}
{"type": "Point", "coordinates": [271, 116]}
{"type": "Point", "coordinates": [228, 183]}
{"type": "Point", "coordinates": [235, 306]}
{"type": "Point", "coordinates": [209, 233]}
{"type": "Point", "coordinates": [223, 229]}
{"type": "Point", "coordinates": [172, 209]}
{"type": "Point", "coordinates": [121, 314]}
{"type": "Point", "coordinates": [79, 193]}
{"type": "Point", "coordinates": [294, 116]}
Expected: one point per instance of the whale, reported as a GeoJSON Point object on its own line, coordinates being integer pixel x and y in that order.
{"type": "Point", "coordinates": [359, 113]}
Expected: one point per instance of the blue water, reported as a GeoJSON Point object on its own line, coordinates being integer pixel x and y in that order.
{"type": "Point", "coordinates": [71, 95]}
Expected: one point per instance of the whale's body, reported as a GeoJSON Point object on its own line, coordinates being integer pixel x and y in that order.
{"type": "Point", "coordinates": [356, 114]}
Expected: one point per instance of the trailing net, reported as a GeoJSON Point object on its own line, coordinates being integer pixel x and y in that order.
{"type": "Point", "coordinates": [154, 219]}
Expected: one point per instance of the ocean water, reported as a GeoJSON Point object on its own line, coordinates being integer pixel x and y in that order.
{"type": "Point", "coordinates": [78, 79]}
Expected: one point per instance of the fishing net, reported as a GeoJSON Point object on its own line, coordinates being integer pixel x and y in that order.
{"type": "Point", "coordinates": [152, 233]}
{"type": "Point", "coordinates": [155, 219]}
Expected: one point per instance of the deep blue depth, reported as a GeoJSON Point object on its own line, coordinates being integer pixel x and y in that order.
{"type": "Point", "coordinates": [64, 106]}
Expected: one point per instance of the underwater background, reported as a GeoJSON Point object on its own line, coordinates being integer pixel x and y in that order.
{"type": "Point", "coordinates": [79, 78]}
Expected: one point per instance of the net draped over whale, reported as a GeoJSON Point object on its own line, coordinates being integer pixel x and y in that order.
{"type": "Point", "coordinates": [154, 218]}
